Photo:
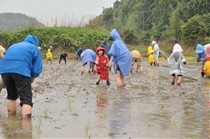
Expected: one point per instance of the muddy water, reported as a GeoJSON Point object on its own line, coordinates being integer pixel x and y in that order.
{"type": "Point", "coordinates": [68, 105]}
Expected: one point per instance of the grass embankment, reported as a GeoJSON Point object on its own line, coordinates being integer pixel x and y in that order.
{"type": "Point", "coordinates": [71, 38]}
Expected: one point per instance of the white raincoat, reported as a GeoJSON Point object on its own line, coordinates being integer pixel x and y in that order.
{"type": "Point", "coordinates": [156, 50]}
{"type": "Point", "coordinates": [176, 60]}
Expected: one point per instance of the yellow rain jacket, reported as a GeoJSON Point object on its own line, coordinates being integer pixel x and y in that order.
{"type": "Point", "coordinates": [49, 55]}
{"type": "Point", "coordinates": [151, 56]}
{"type": "Point", "coordinates": [207, 68]}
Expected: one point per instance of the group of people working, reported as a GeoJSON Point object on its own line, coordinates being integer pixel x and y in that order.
{"type": "Point", "coordinates": [22, 63]}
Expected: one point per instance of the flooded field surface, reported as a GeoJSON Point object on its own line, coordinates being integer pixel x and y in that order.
{"type": "Point", "coordinates": [70, 105]}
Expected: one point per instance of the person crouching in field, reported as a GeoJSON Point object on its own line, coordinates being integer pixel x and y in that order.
{"type": "Point", "coordinates": [86, 56]}
{"type": "Point", "coordinates": [151, 56]}
{"type": "Point", "coordinates": [176, 59]}
{"type": "Point", "coordinates": [162, 54]}
{"type": "Point", "coordinates": [121, 56]}
{"type": "Point", "coordinates": [207, 63]}
{"type": "Point", "coordinates": [136, 57]}
{"type": "Point", "coordinates": [63, 56]}
{"type": "Point", "coordinates": [49, 56]}
{"type": "Point", "coordinates": [200, 54]}
{"type": "Point", "coordinates": [101, 65]}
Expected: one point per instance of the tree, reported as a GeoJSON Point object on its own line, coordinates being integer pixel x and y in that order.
{"type": "Point", "coordinates": [193, 29]}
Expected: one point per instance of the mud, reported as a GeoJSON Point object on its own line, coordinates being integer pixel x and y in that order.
{"type": "Point", "coordinates": [70, 105]}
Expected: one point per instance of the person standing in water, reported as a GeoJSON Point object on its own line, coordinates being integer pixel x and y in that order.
{"type": "Point", "coordinates": [21, 64]}
{"type": "Point", "coordinates": [156, 52]}
{"type": "Point", "coordinates": [120, 55]}
{"type": "Point", "coordinates": [101, 65]}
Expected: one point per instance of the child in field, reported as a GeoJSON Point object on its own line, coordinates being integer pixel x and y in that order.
{"type": "Point", "coordinates": [101, 65]}
{"type": "Point", "coordinates": [200, 54]}
{"type": "Point", "coordinates": [49, 55]}
{"type": "Point", "coordinates": [151, 56]}
{"type": "Point", "coordinates": [176, 59]}
{"type": "Point", "coordinates": [136, 57]}
{"type": "Point", "coordinates": [63, 56]}
{"type": "Point", "coordinates": [121, 56]}
{"type": "Point", "coordinates": [156, 52]}
{"type": "Point", "coordinates": [207, 61]}
{"type": "Point", "coordinates": [88, 55]}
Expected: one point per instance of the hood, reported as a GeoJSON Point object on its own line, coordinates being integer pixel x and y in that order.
{"type": "Point", "coordinates": [177, 48]}
{"type": "Point", "coordinates": [207, 49]}
{"type": "Point", "coordinates": [100, 48]}
{"type": "Point", "coordinates": [206, 46]}
{"type": "Point", "coordinates": [32, 39]}
{"type": "Point", "coordinates": [153, 42]}
{"type": "Point", "coordinates": [115, 35]}
{"type": "Point", "coordinates": [199, 48]}
{"type": "Point", "coordinates": [149, 48]}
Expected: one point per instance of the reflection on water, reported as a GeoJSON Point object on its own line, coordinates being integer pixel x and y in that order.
{"type": "Point", "coordinates": [16, 128]}
{"type": "Point", "coordinates": [119, 116]}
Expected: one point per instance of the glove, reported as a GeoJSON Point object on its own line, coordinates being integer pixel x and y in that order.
{"type": "Point", "coordinates": [184, 62]}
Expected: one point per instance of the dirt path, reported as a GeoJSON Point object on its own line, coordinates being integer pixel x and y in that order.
{"type": "Point", "coordinates": [68, 105]}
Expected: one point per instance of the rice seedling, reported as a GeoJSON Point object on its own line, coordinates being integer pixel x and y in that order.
{"type": "Point", "coordinates": [70, 100]}
{"type": "Point", "coordinates": [87, 129]}
{"type": "Point", "coordinates": [45, 113]}
{"type": "Point", "coordinates": [38, 130]}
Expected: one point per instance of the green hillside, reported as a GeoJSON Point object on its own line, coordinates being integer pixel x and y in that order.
{"type": "Point", "coordinates": [17, 21]}
{"type": "Point", "coordinates": [139, 21]}
{"type": "Point", "coordinates": [59, 37]}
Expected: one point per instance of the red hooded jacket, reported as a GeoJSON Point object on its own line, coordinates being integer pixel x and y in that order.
{"type": "Point", "coordinates": [101, 63]}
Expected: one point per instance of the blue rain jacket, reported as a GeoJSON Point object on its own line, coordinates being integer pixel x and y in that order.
{"type": "Point", "coordinates": [121, 54]}
{"type": "Point", "coordinates": [88, 55]}
{"type": "Point", "coordinates": [23, 58]}
{"type": "Point", "coordinates": [200, 54]}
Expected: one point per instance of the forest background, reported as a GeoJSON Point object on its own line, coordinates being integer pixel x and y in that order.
{"type": "Point", "coordinates": [138, 22]}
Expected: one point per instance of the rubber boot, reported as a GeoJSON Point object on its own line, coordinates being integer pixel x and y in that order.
{"type": "Point", "coordinates": [107, 82]}
{"type": "Point", "coordinates": [97, 83]}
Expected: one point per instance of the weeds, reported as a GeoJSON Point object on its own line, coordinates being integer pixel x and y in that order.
{"type": "Point", "coordinates": [70, 100]}
{"type": "Point", "coordinates": [38, 128]}
{"type": "Point", "coordinates": [45, 113]}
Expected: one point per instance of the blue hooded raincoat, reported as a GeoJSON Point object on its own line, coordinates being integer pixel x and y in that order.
{"type": "Point", "coordinates": [200, 54]}
{"type": "Point", "coordinates": [121, 54]}
{"type": "Point", "coordinates": [23, 58]}
{"type": "Point", "coordinates": [88, 55]}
